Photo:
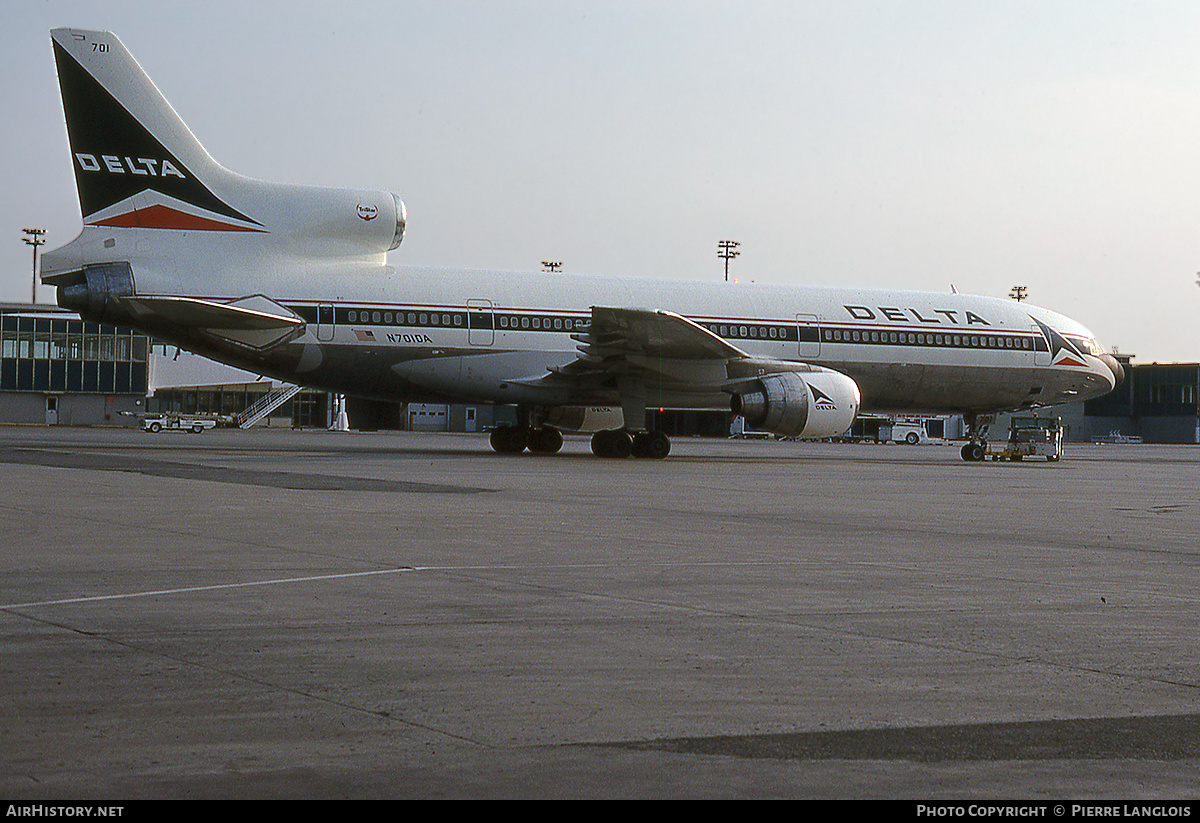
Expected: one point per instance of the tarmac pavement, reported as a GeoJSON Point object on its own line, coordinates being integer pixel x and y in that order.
{"type": "Point", "coordinates": [266, 613]}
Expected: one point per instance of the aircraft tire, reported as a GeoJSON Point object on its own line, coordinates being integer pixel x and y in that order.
{"type": "Point", "coordinates": [509, 439]}
{"type": "Point", "coordinates": [600, 443]}
{"type": "Point", "coordinates": [614, 443]}
{"type": "Point", "coordinates": [972, 452]}
{"type": "Point", "coordinates": [545, 440]}
{"type": "Point", "coordinates": [651, 445]}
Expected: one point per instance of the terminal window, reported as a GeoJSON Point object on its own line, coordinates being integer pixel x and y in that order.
{"type": "Point", "coordinates": [70, 355]}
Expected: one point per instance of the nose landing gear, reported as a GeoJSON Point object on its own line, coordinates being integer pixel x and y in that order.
{"type": "Point", "coordinates": [976, 447]}
{"type": "Point", "coordinates": [973, 452]}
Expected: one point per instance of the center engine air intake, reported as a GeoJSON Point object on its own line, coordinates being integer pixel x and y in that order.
{"type": "Point", "coordinates": [401, 219]}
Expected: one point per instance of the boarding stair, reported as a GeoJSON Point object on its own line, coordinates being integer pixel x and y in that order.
{"type": "Point", "coordinates": [268, 403]}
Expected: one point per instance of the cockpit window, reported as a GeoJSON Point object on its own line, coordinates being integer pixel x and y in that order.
{"type": "Point", "coordinates": [1087, 345]}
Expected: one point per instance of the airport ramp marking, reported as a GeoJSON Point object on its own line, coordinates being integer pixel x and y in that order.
{"type": "Point", "coordinates": [213, 587]}
{"type": "Point", "coordinates": [335, 576]}
{"type": "Point", "coordinates": [492, 567]}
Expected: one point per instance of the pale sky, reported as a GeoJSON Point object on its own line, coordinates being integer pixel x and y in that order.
{"type": "Point", "coordinates": [909, 145]}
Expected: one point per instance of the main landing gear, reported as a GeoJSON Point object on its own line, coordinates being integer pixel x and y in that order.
{"type": "Point", "coordinates": [623, 443]}
{"type": "Point", "coordinates": [618, 443]}
{"type": "Point", "coordinates": [516, 439]}
{"type": "Point", "coordinates": [631, 440]}
{"type": "Point", "coordinates": [976, 447]}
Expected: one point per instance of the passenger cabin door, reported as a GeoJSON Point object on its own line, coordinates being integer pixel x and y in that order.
{"type": "Point", "coordinates": [325, 317]}
{"type": "Point", "coordinates": [481, 328]}
{"type": "Point", "coordinates": [808, 336]}
{"type": "Point", "coordinates": [1041, 347]}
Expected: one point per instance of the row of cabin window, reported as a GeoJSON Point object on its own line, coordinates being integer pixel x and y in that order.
{"type": "Point", "coordinates": [388, 318]}
{"type": "Point", "coordinates": [759, 332]}
{"type": "Point", "coordinates": [920, 339]}
{"type": "Point", "coordinates": [434, 319]}
{"type": "Point", "coordinates": [524, 322]}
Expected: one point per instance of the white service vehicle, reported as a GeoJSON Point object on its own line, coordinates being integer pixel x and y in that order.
{"type": "Point", "coordinates": [913, 430]}
{"type": "Point", "coordinates": [910, 433]}
{"type": "Point", "coordinates": [177, 422]}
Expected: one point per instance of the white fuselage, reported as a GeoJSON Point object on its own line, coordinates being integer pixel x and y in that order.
{"type": "Point", "coordinates": [416, 333]}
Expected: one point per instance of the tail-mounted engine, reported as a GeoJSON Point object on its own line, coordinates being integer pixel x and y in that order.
{"type": "Point", "coordinates": [330, 223]}
{"type": "Point", "coordinates": [95, 291]}
{"type": "Point", "coordinates": [809, 405]}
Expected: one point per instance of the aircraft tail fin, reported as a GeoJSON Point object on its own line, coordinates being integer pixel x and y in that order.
{"type": "Point", "coordinates": [161, 213]}
{"type": "Point", "coordinates": [136, 164]}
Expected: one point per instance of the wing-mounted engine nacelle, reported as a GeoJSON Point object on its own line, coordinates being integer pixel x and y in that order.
{"type": "Point", "coordinates": [809, 405]}
{"type": "Point", "coordinates": [585, 418]}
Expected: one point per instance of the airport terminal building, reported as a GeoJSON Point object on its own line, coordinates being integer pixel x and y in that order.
{"type": "Point", "coordinates": [58, 369]}
{"type": "Point", "coordinates": [1158, 402]}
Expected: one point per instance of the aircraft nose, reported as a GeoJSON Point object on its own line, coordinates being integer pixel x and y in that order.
{"type": "Point", "coordinates": [1118, 371]}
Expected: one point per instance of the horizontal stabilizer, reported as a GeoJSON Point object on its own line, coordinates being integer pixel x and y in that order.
{"type": "Point", "coordinates": [248, 313]}
{"type": "Point", "coordinates": [256, 322]}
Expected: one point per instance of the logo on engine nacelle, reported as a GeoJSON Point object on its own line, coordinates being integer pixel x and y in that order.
{"type": "Point", "coordinates": [821, 399]}
{"type": "Point", "coordinates": [367, 212]}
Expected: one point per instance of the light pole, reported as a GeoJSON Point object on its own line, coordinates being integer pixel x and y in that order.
{"type": "Point", "coordinates": [35, 240]}
{"type": "Point", "coordinates": [1018, 293]}
{"type": "Point", "coordinates": [727, 250]}
{"type": "Point", "coordinates": [552, 265]}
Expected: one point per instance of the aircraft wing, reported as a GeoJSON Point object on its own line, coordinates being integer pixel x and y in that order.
{"type": "Point", "coordinates": [641, 357]}
{"type": "Point", "coordinates": [651, 348]}
{"type": "Point", "coordinates": [651, 333]}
